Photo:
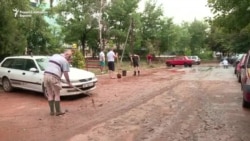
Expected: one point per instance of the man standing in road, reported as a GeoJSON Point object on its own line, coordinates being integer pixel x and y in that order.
{"type": "Point", "coordinates": [225, 63]}
{"type": "Point", "coordinates": [58, 64]}
{"type": "Point", "coordinates": [111, 62]}
{"type": "Point", "coordinates": [102, 60]}
{"type": "Point", "coordinates": [135, 59]}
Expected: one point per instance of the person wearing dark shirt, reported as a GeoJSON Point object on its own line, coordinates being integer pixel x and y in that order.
{"type": "Point", "coordinates": [135, 59]}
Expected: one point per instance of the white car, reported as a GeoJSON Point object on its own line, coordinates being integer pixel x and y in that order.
{"type": "Point", "coordinates": [26, 72]}
{"type": "Point", "coordinates": [196, 59]}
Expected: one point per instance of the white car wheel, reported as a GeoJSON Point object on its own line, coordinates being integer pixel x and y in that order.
{"type": "Point", "coordinates": [7, 85]}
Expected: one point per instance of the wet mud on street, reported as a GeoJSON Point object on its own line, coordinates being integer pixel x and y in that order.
{"type": "Point", "coordinates": [202, 103]}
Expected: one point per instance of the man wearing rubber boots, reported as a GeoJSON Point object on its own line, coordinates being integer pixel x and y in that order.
{"type": "Point", "coordinates": [135, 59]}
{"type": "Point", "coordinates": [57, 66]}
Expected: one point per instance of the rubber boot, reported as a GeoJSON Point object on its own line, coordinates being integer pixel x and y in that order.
{"type": "Point", "coordinates": [134, 73]}
{"type": "Point", "coordinates": [138, 73]}
{"type": "Point", "coordinates": [51, 106]}
{"type": "Point", "coordinates": [58, 109]}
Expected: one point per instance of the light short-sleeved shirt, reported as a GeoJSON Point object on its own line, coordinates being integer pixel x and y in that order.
{"type": "Point", "coordinates": [57, 65]}
{"type": "Point", "coordinates": [111, 56]}
{"type": "Point", "coordinates": [101, 56]}
{"type": "Point", "coordinates": [225, 62]}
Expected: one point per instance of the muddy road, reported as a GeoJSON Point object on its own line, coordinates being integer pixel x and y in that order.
{"type": "Point", "coordinates": [202, 103]}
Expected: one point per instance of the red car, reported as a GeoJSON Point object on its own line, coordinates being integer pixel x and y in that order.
{"type": "Point", "coordinates": [238, 67]}
{"type": "Point", "coordinates": [180, 60]}
{"type": "Point", "coordinates": [245, 81]}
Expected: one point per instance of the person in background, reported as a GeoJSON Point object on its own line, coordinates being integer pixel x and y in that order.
{"type": "Point", "coordinates": [135, 59]}
{"type": "Point", "coordinates": [225, 63]}
{"type": "Point", "coordinates": [57, 66]}
{"type": "Point", "coordinates": [30, 52]}
{"type": "Point", "coordinates": [102, 60]}
{"type": "Point", "coordinates": [111, 56]}
{"type": "Point", "coordinates": [149, 59]}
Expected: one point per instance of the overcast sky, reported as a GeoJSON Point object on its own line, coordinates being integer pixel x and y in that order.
{"type": "Point", "coordinates": [180, 10]}
{"type": "Point", "coordinates": [183, 10]}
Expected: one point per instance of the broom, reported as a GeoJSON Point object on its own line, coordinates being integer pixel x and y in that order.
{"type": "Point", "coordinates": [93, 102]}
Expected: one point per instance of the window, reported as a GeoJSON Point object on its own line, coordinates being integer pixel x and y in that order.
{"type": "Point", "coordinates": [18, 64]}
{"type": "Point", "coordinates": [30, 64]}
{"type": "Point", "coordinates": [7, 63]}
{"type": "Point", "coordinates": [42, 63]}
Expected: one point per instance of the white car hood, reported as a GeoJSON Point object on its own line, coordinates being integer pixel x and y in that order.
{"type": "Point", "coordinates": [76, 74]}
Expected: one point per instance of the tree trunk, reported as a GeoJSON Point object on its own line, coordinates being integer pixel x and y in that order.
{"type": "Point", "coordinates": [83, 46]}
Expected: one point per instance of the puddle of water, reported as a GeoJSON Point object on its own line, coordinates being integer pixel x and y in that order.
{"type": "Point", "coordinates": [201, 69]}
{"type": "Point", "coordinates": [205, 69]}
{"type": "Point", "coordinates": [177, 71]}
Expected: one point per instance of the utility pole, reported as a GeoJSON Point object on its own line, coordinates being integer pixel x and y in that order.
{"type": "Point", "coordinates": [100, 22]}
{"type": "Point", "coordinates": [128, 33]}
{"type": "Point", "coordinates": [132, 36]}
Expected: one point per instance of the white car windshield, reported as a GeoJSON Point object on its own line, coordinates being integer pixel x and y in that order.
{"type": "Point", "coordinates": [42, 62]}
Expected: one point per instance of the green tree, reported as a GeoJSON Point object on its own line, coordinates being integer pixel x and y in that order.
{"type": "Point", "coordinates": [38, 34]}
{"type": "Point", "coordinates": [12, 38]}
{"type": "Point", "coordinates": [168, 37]}
{"type": "Point", "coordinates": [120, 17]}
{"type": "Point", "coordinates": [183, 39]}
{"type": "Point", "coordinates": [77, 18]}
{"type": "Point", "coordinates": [232, 17]}
{"type": "Point", "coordinates": [152, 25]}
{"type": "Point", "coordinates": [198, 34]}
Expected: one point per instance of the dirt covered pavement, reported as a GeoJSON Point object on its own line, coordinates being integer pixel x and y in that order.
{"type": "Point", "coordinates": [202, 103]}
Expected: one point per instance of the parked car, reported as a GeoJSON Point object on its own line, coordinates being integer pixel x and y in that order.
{"type": "Point", "coordinates": [180, 60]}
{"type": "Point", "coordinates": [237, 60]}
{"type": "Point", "coordinates": [196, 59]}
{"type": "Point", "coordinates": [245, 81]}
{"type": "Point", "coordinates": [238, 67]}
{"type": "Point", "coordinates": [232, 59]}
{"type": "Point", "coordinates": [26, 72]}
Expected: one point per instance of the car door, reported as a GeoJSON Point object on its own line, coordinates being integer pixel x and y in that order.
{"type": "Point", "coordinates": [33, 77]}
{"type": "Point", "coordinates": [180, 61]}
{"type": "Point", "coordinates": [15, 72]}
{"type": "Point", "coordinates": [175, 61]}
{"type": "Point", "coordinates": [5, 68]}
{"type": "Point", "coordinates": [243, 69]}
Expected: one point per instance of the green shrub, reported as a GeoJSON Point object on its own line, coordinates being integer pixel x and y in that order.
{"type": "Point", "coordinates": [206, 55]}
{"type": "Point", "coordinates": [78, 60]}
